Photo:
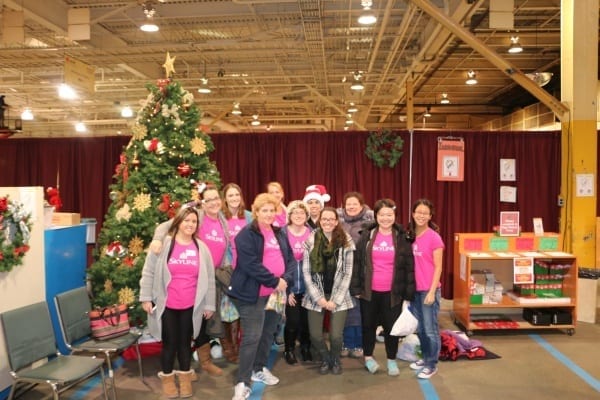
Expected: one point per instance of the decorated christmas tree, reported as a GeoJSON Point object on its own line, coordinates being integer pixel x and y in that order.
{"type": "Point", "coordinates": [166, 156]}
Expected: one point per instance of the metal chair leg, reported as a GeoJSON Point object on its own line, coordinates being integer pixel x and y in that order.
{"type": "Point", "coordinates": [111, 374]}
{"type": "Point", "coordinates": [104, 383]}
{"type": "Point", "coordinates": [139, 360]}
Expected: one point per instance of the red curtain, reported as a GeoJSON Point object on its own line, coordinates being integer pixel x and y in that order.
{"type": "Point", "coordinates": [335, 159]}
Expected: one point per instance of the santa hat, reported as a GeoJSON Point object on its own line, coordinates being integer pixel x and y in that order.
{"type": "Point", "coordinates": [317, 192]}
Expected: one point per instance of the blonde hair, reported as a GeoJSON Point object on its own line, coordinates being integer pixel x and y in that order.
{"type": "Point", "coordinates": [260, 200]}
{"type": "Point", "coordinates": [293, 206]}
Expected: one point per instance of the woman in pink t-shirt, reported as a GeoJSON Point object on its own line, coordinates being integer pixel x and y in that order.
{"type": "Point", "coordinates": [383, 276]}
{"type": "Point", "coordinates": [276, 190]}
{"type": "Point", "coordinates": [177, 290]}
{"type": "Point", "coordinates": [428, 249]}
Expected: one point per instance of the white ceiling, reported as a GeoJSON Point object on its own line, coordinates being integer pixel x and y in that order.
{"type": "Point", "coordinates": [290, 62]}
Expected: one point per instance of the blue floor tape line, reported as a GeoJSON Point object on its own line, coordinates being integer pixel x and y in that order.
{"type": "Point", "coordinates": [590, 380]}
{"type": "Point", "coordinates": [428, 390]}
{"type": "Point", "coordinates": [258, 387]}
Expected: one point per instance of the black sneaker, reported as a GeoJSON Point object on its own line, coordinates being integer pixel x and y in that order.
{"type": "Point", "coordinates": [306, 355]}
{"type": "Point", "coordinates": [336, 368]}
{"type": "Point", "coordinates": [324, 368]}
{"type": "Point", "coordinates": [290, 357]}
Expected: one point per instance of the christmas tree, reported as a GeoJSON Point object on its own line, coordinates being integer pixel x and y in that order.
{"type": "Point", "coordinates": [166, 156]}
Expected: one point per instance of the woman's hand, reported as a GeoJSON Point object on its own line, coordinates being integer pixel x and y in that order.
{"type": "Point", "coordinates": [292, 300]}
{"type": "Point", "coordinates": [147, 306]}
{"type": "Point", "coordinates": [155, 246]}
{"type": "Point", "coordinates": [282, 285]}
{"type": "Point", "coordinates": [429, 299]}
{"type": "Point", "coordinates": [330, 306]}
{"type": "Point", "coordinates": [208, 314]}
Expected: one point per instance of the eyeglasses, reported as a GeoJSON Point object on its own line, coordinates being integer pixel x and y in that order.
{"type": "Point", "coordinates": [298, 212]}
{"type": "Point", "coordinates": [328, 219]}
{"type": "Point", "coordinates": [206, 201]}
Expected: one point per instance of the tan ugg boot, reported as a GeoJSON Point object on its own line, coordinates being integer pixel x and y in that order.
{"type": "Point", "coordinates": [168, 385]}
{"type": "Point", "coordinates": [194, 375]}
{"type": "Point", "coordinates": [205, 361]}
{"type": "Point", "coordinates": [228, 345]}
{"type": "Point", "coordinates": [185, 383]}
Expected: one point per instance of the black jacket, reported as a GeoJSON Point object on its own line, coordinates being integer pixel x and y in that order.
{"type": "Point", "coordinates": [403, 280]}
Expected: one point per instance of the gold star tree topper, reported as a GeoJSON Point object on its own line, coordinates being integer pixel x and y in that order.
{"type": "Point", "coordinates": [168, 65]}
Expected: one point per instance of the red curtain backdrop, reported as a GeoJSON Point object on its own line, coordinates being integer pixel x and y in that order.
{"type": "Point", "coordinates": [335, 159]}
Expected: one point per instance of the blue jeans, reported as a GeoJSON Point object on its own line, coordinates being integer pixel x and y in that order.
{"type": "Point", "coordinates": [258, 327]}
{"type": "Point", "coordinates": [428, 330]}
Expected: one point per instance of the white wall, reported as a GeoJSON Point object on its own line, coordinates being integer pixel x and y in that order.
{"type": "Point", "coordinates": [25, 284]}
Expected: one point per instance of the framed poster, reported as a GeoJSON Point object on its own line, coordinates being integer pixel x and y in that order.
{"type": "Point", "coordinates": [508, 194]}
{"type": "Point", "coordinates": [507, 169]}
{"type": "Point", "coordinates": [451, 159]}
{"type": "Point", "coordinates": [509, 223]}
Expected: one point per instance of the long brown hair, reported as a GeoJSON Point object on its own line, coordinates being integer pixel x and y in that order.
{"type": "Point", "coordinates": [225, 207]}
{"type": "Point", "coordinates": [339, 238]}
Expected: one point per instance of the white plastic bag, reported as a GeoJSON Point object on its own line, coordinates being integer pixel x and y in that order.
{"type": "Point", "coordinates": [409, 348]}
{"type": "Point", "coordinates": [406, 322]}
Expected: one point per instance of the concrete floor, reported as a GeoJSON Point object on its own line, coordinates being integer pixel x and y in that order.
{"type": "Point", "coordinates": [537, 364]}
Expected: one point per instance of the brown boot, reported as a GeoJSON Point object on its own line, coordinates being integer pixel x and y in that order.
{"type": "Point", "coordinates": [227, 344]}
{"type": "Point", "coordinates": [185, 383]}
{"type": "Point", "coordinates": [205, 361]}
{"type": "Point", "coordinates": [235, 332]}
{"type": "Point", "coordinates": [168, 385]}
{"type": "Point", "coordinates": [194, 375]}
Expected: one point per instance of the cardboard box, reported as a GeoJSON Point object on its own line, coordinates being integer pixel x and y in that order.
{"type": "Point", "coordinates": [65, 219]}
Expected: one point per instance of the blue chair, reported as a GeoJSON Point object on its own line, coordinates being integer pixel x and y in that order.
{"type": "Point", "coordinates": [72, 308]}
{"type": "Point", "coordinates": [30, 338]}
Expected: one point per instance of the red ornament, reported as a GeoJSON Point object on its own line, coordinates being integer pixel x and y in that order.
{"type": "Point", "coordinates": [184, 170]}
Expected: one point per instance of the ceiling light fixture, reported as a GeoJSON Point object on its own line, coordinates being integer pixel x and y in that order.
{"type": "Point", "coordinates": [27, 115]}
{"type": "Point", "coordinates": [367, 17]}
{"type": "Point", "coordinates": [471, 78]}
{"type": "Point", "coordinates": [255, 120]}
{"type": "Point", "coordinates": [66, 92]}
{"type": "Point", "coordinates": [541, 78]}
{"type": "Point", "coordinates": [236, 108]}
{"type": "Point", "coordinates": [445, 99]}
{"type": "Point", "coordinates": [126, 112]}
{"type": "Point", "coordinates": [352, 108]}
{"type": "Point", "coordinates": [149, 11]}
{"type": "Point", "coordinates": [357, 83]}
{"type": "Point", "coordinates": [515, 46]}
{"type": "Point", "coordinates": [427, 112]}
{"type": "Point", "coordinates": [80, 127]}
{"type": "Point", "coordinates": [204, 88]}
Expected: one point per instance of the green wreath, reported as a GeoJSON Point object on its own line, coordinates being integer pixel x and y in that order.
{"type": "Point", "coordinates": [15, 228]}
{"type": "Point", "coordinates": [384, 148]}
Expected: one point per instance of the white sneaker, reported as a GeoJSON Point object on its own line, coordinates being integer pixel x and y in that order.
{"type": "Point", "coordinates": [241, 392]}
{"type": "Point", "coordinates": [265, 376]}
{"type": "Point", "coordinates": [417, 365]}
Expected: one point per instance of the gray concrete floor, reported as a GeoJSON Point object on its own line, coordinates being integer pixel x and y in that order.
{"type": "Point", "coordinates": [536, 364]}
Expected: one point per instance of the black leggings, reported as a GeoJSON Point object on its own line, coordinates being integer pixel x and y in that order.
{"type": "Point", "coordinates": [177, 330]}
{"type": "Point", "coordinates": [375, 312]}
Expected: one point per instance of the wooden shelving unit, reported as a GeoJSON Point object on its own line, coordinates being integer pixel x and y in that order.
{"type": "Point", "coordinates": [487, 251]}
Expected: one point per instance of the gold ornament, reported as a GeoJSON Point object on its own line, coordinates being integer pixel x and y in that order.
{"type": "Point", "coordinates": [195, 195]}
{"type": "Point", "coordinates": [126, 296]}
{"type": "Point", "coordinates": [108, 286]}
{"type": "Point", "coordinates": [136, 245]}
{"type": "Point", "coordinates": [124, 213]}
{"type": "Point", "coordinates": [198, 146]}
{"type": "Point", "coordinates": [139, 131]}
{"type": "Point", "coordinates": [142, 201]}
{"type": "Point", "coordinates": [168, 65]}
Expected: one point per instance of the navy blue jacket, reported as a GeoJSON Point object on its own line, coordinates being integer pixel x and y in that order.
{"type": "Point", "coordinates": [250, 272]}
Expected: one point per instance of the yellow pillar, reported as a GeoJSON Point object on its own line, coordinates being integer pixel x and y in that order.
{"type": "Point", "coordinates": [579, 76]}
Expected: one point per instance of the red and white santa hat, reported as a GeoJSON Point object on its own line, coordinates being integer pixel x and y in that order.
{"type": "Point", "coordinates": [318, 192]}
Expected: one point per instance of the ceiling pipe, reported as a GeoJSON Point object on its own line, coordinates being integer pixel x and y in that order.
{"type": "Point", "coordinates": [514, 73]}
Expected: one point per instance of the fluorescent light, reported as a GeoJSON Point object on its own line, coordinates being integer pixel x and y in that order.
{"type": "Point", "coordinates": [236, 109]}
{"type": "Point", "coordinates": [427, 112]}
{"type": "Point", "coordinates": [255, 121]}
{"type": "Point", "coordinates": [352, 108]}
{"type": "Point", "coordinates": [27, 115]}
{"type": "Point", "coordinates": [149, 27]}
{"type": "Point", "coordinates": [367, 17]}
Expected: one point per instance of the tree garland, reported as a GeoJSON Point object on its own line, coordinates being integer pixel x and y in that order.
{"type": "Point", "coordinates": [384, 148]}
{"type": "Point", "coordinates": [15, 228]}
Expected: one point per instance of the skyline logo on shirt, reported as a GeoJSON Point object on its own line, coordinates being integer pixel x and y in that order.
{"type": "Point", "coordinates": [383, 246]}
{"type": "Point", "coordinates": [272, 244]}
{"type": "Point", "coordinates": [187, 257]}
{"type": "Point", "coordinates": [298, 247]}
{"type": "Point", "coordinates": [416, 251]}
{"type": "Point", "coordinates": [213, 236]}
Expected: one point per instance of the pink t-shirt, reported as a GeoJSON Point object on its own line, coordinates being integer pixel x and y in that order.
{"type": "Point", "coordinates": [423, 248]}
{"type": "Point", "coordinates": [235, 225]}
{"type": "Point", "coordinates": [297, 243]}
{"type": "Point", "coordinates": [184, 268]}
{"type": "Point", "coordinates": [272, 259]}
{"type": "Point", "coordinates": [281, 218]}
{"type": "Point", "coordinates": [383, 262]}
{"type": "Point", "coordinates": [212, 234]}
